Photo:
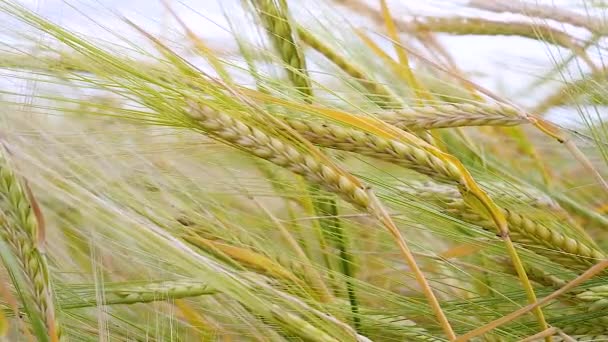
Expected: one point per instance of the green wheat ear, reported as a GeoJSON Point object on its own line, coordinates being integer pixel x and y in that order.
{"type": "Point", "coordinates": [274, 15]}
{"type": "Point", "coordinates": [21, 229]}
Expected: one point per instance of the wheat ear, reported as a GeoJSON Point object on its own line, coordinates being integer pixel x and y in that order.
{"type": "Point", "coordinates": [569, 91]}
{"type": "Point", "coordinates": [300, 326]}
{"type": "Point", "coordinates": [453, 115]}
{"type": "Point", "coordinates": [276, 21]}
{"type": "Point", "coordinates": [441, 165]}
{"type": "Point", "coordinates": [561, 15]}
{"type": "Point", "coordinates": [353, 140]}
{"type": "Point", "coordinates": [145, 293]}
{"type": "Point", "coordinates": [533, 235]}
{"type": "Point", "coordinates": [536, 274]}
{"type": "Point", "coordinates": [478, 26]}
{"type": "Point", "coordinates": [20, 222]}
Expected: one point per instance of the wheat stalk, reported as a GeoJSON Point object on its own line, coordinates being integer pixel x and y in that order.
{"type": "Point", "coordinates": [21, 228]}
{"type": "Point", "coordinates": [275, 16]}
{"type": "Point", "coordinates": [378, 93]}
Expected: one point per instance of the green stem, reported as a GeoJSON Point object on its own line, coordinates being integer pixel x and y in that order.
{"type": "Point", "coordinates": [331, 226]}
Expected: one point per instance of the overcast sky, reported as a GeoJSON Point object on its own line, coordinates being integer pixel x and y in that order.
{"type": "Point", "coordinates": [505, 64]}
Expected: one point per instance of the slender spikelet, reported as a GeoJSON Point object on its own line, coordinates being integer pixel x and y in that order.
{"type": "Point", "coordinates": [478, 26]}
{"type": "Point", "coordinates": [275, 18]}
{"type": "Point", "coordinates": [500, 191]}
{"type": "Point", "coordinates": [20, 222]}
{"type": "Point", "coordinates": [570, 91]}
{"type": "Point", "coordinates": [485, 27]}
{"type": "Point", "coordinates": [540, 276]}
{"type": "Point", "coordinates": [454, 115]}
{"type": "Point", "coordinates": [405, 327]}
{"type": "Point", "coordinates": [144, 293]}
{"type": "Point", "coordinates": [377, 93]}
{"type": "Point", "coordinates": [533, 235]}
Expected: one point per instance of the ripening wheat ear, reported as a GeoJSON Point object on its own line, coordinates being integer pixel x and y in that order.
{"type": "Point", "coordinates": [20, 227]}
{"type": "Point", "coordinates": [531, 234]}
{"type": "Point", "coordinates": [551, 12]}
{"type": "Point", "coordinates": [454, 115]}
